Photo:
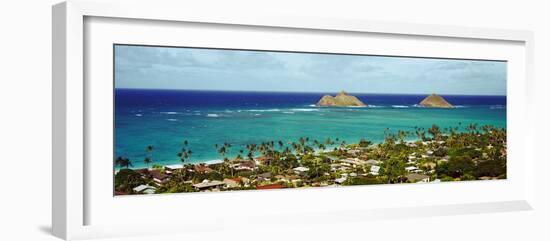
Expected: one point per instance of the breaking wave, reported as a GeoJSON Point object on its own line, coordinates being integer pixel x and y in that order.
{"type": "Point", "coordinates": [264, 110]}
{"type": "Point", "coordinates": [303, 109]}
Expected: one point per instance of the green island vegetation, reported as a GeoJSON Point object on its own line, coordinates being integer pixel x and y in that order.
{"type": "Point", "coordinates": [459, 153]}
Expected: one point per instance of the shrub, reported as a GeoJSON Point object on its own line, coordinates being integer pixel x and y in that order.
{"type": "Point", "coordinates": [470, 152]}
{"type": "Point", "coordinates": [363, 181]}
{"type": "Point", "coordinates": [460, 165]}
{"type": "Point", "coordinates": [127, 179]}
{"type": "Point", "coordinates": [440, 152]}
{"type": "Point", "coordinates": [491, 168]}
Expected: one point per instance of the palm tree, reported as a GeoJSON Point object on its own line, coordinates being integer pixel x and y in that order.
{"type": "Point", "coordinates": [147, 161]}
{"type": "Point", "coordinates": [302, 141]}
{"type": "Point", "coordinates": [286, 151]}
{"type": "Point", "coordinates": [343, 144]}
{"type": "Point", "coordinates": [123, 162]}
{"type": "Point", "coordinates": [472, 128]}
{"type": "Point", "coordinates": [322, 147]}
{"type": "Point", "coordinates": [223, 150]}
{"type": "Point", "coordinates": [401, 135]}
{"type": "Point", "coordinates": [184, 155]}
{"type": "Point", "coordinates": [435, 131]}
{"type": "Point", "coordinates": [227, 163]}
{"type": "Point", "coordinates": [280, 144]}
{"type": "Point", "coordinates": [295, 147]}
{"type": "Point", "coordinates": [251, 149]}
{"type": "Point", "coordinates": [149, 158]}
{"type": "Point", "coordinates": [118, 161]}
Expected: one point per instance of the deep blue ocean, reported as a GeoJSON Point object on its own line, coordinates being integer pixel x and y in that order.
{"type": "Point", "coordinates": [165, 118]}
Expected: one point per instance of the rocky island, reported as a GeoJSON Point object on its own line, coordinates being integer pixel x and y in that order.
{"type": "Point", "coordinates": [341, 99]}
{"type": "Point", "coordinates": [435, 101]}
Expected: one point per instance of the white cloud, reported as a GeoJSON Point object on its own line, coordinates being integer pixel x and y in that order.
{"type": "Point", "coordinates": [191, 68]}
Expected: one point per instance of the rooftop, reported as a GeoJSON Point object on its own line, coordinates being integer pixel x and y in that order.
{"type": "Point", "coordinates": [270, 186]}
{"type": "Point", "coordinates": [301, 169]}
{"type": "Point", "coordinates": [413, 177]}
{"type": "Point", "coordinates": [202, 168]}
{"type": "Point", "coordinates": [208, 184]}
{"type": "Point", "coordinates": [143, 187]}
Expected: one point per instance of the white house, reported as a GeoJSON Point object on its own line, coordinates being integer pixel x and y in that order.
{"type": "Point", "coordinates": [300, 170]}
{"type": "Point", "coordinates": [418, 178]}
{"type": "Point", "coordinates": [374, 170]}
{"type": "Point", "coordinates": [353, 161]}
{"type": "Point", "coordinates": [372, 162]}
{"type": "Point", "coordinates": [411, 144]}
{"type": "Point", "coordinates": [145, 189]}
{"type": "Point", "coordinates": [150, 191]}
{"type": "Point", "coordinates": [231, 183]}
{"type": "Point", "coordinates": [340, 180]}
{"type": "Point", "coordinates": [205, 184]}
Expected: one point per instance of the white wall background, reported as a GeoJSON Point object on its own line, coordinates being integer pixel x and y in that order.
{"type": "Point", "coordinates": [25, 119]}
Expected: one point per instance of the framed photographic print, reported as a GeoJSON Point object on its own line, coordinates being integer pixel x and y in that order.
{"type": "Point", "coordinates": [227, 119]}
{"type": "Point", "coordinates": [241, 116]}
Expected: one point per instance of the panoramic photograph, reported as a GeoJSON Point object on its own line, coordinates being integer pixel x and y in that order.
{"type": "Point", "coordinates": [208, 120]}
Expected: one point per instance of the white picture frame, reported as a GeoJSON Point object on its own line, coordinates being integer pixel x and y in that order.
{"type": "Point", "coordinates": [71, 116]}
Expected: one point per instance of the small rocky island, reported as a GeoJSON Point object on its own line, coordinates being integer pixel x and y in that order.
{"type": "Point", "coordinates": [341, 99]}
{"type": "Point", "coordinates": [435, 101]}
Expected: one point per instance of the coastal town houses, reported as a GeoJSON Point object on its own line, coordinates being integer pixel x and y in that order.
{"type": "Point", "coordinates": [266, 176]}
{"type": "Point", "coordinates": [242, 165]}
{"type": "Point", "coordinates": [418, 178]}
{"type": "Point", "coordinates": [301, 170]}
{"type": "Point", "coordinates": [374, 170]}
{"type": "Point", "coordinates": [207, 184]}
{"type": "Point", "coordinates": [270, 186]}
{"type": "Point", "coordinates": [421, 164]}
{"type": "Point", "coordinates": [202, 168]}
{"type": "Point", "coordinates": [158, 176]}
{"type": "Point", "coordinates": [232, 182]}
{"type": "Point", "coordinates": [145, 189]}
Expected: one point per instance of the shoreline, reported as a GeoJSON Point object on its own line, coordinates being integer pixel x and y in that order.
{"type": "Point", "coordinates": [175, 162]}
{"type": "Point", "coordinates": [218, 161]}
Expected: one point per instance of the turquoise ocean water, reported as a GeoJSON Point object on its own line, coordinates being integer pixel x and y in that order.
{"type": "Point", "coordinates": [165, 118]}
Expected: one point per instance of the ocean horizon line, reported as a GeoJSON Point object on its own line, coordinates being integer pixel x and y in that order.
{"type": "Point", "coordinates": [305, 92]}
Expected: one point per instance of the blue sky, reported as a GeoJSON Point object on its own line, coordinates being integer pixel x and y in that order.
{"type": "Point", "coordinates": [209, 69]}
